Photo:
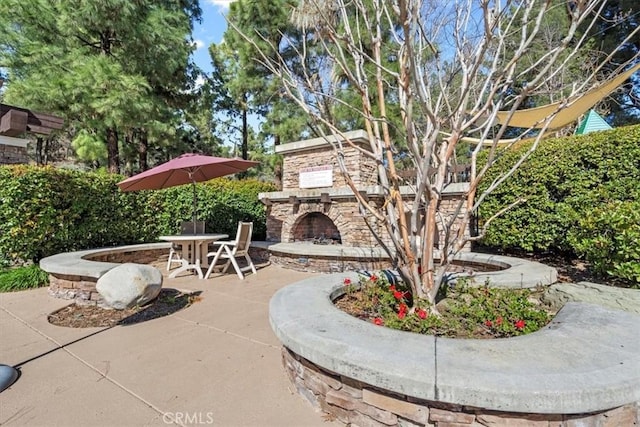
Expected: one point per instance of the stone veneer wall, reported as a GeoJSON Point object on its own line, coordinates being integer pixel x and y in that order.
{"type": "Point", "coordinates": [10, 154]}
{"type": "Point", "coordinates": [357, 403]}
{"type": "Point", "coordinates": [327, 264]}
{"type": "Point", "coordinates": [362, 169]}
{"type": "Point", "coordinates": [82, 289]}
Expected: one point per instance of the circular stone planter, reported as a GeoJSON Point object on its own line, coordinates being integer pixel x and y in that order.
{"type": "Point", "coordinates": [73, 275]}
{"type": "Point", "coordinates": [583, 367]}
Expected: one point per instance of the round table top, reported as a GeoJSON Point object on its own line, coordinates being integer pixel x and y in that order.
{"type": "Point", "coordinates": [191, 237]}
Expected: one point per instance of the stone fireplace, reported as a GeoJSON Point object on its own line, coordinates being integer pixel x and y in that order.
{"type": "Point", "coordinates": [316, 205]}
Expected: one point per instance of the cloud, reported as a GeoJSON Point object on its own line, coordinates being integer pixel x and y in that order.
{"type": "Point", "coordinates": [222, 4]}
{"type": "Point", "coordinates": [199, 44]}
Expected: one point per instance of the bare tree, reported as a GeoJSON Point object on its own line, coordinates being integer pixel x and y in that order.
{"type": "Point", "coordinates": [454, 64]}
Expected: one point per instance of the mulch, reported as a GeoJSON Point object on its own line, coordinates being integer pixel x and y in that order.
{"type": "Point", "coordinates": [168, 302]}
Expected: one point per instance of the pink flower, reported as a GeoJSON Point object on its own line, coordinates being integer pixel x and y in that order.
{"type": "Point", "coordinates": [378, 321]}
{"type": "Point", "coordinates": [488, 323]}
{"type": "Point", "coordinates": [347, 281]}
{"type": "Point", "coordinates": [422, 313]}
{"type": "Point", "coordinates": [520, 324]}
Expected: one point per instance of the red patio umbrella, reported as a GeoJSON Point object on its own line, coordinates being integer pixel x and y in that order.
{"type": "Point", "coordinates": [185, 169]}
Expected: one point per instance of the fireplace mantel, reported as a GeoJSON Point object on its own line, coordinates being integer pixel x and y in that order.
{"type": "Point", "coordinates": [347, 193]}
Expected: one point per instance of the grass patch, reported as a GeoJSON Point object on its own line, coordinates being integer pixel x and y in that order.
{"type": "Point", "coordinates": [21, 278]}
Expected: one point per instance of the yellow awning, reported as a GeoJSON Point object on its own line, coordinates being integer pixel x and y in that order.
{"type": "Point", "coordinates": [534, 117]}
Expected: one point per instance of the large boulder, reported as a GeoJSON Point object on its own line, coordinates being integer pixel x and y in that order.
{"type": "Point", "coordinates": [129, 285]}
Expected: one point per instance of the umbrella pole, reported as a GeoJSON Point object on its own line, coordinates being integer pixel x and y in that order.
{"type": "Point", "coordinates": [193, 183]}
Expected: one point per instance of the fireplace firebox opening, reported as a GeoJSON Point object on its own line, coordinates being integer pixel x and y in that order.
{"type": "Point", "coordinates": [316, 227]}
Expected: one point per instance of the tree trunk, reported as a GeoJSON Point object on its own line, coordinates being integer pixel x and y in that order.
{"type": "Point", "coordinates": [47, 151]}
{"type": "Point", "coordinates": [39, 150]}
{"type": "Point", "coordinates": [143, 150]}
{"type": "Point", "coordinates": [113, 154]}
{"type": "Point", "coordinates": [429, 282]}
{"type": "Point", "coordinates": [245, 131]}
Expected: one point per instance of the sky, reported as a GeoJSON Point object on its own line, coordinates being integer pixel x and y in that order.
{"type": "Point", "coordinates": [210, 30]}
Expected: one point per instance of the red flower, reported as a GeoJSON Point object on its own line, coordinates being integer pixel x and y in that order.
{"type": "Point", "coordinates": [422, 313]}
{"type": "Point", "coordinates": [347, 281]}
{"type": "Point", "coordinates": [488, 323]}
{"type": "Point", "coordinates": [398, 294]}
{"type": "Point", "coordinates": [520, 324]}
{"type": "Point", "coordinates": [373, 278]}
{"type": "Point", "coordinates": [402, 314]}
{"type": "Point", "coordinates": [403, 308]}
{"type": "Point", "coordinates": [392, 288]}
{"type": "Point", "coordinates": [499, 321]}
{"type": "Point", "coordinates": [378, 321]}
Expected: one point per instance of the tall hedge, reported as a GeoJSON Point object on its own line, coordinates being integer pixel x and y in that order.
{"type": "Point", "coordinates": [46, 211]}
{"type": "Point", "coordinates": [565, 182]}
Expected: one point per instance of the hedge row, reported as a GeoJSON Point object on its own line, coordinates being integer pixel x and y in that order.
{"type": "Point", "coordinates": [47, 211]}
{"type": "Point", "coordinates": [582, 197]}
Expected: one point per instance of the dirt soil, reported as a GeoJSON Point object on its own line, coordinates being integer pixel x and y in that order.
{"type": "Point", "coordinates": [571, 270]}
{"type": "Point", "coordinates": [78, 316]}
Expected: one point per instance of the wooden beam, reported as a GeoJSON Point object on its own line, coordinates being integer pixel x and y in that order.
{"type": "Point", "coordinates": [35, 122]}
{"type": "Point", "coordinates": [43, 130]}
{"type": "Point", "coordinates": [13, 123]}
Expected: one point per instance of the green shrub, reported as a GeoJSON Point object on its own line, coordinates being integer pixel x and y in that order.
{"type": "Point", "coordinates": [47, 211]}
{"type": "Point", "coordinates": [609, 237]}
{"type": "Point", "coordinates": [562, 182]}
{"type": "Point", "coordinates": [20, 278]}
{"type": "Point", "coordinates": [221, 203]}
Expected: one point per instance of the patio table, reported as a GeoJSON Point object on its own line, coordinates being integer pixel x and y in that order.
{"type": "Point", "coordinates": [197, 258]}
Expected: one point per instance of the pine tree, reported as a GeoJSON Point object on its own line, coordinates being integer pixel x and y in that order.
{"type": "Point", "coordinates": [117, 69]}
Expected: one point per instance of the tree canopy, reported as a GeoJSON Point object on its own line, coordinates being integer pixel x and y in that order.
{"type": "Point", "coordinates": [118, 71]}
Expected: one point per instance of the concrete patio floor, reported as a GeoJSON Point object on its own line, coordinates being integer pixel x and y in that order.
{"type": "Point", "coordinates": [216, 362]}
